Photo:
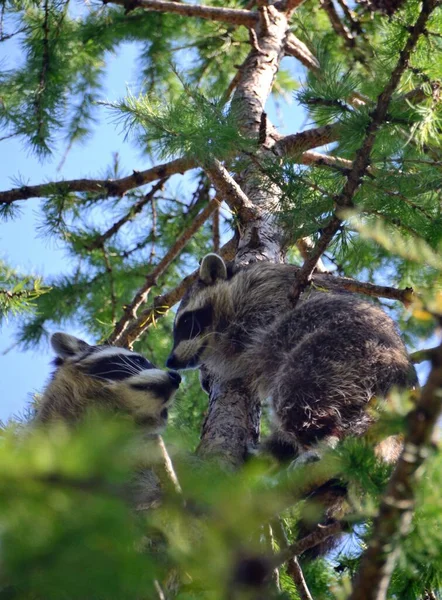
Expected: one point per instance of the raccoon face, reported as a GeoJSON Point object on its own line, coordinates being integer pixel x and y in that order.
{"type": "Point", "coordinates": [132, 382]}
{"type": "Point", "coordinates": [194, 328]}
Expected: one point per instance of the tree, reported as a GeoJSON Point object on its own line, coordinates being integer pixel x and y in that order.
{"type": "Point", "coordinates": [368, 208]}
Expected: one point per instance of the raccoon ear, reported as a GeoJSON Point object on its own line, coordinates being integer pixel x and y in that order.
{"type": "Point", "coordinates": [67, 345]}
{"type": "Point", "coordinates": [212, 268]}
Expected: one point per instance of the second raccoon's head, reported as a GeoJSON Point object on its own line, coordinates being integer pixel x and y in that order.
{"type": "Point", "coordinates": [199, 315]}
{"type": "Point", "coordinates": [108, 377]}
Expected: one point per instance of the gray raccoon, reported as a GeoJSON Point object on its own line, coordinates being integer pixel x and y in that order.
{"type": "Point", "coordinates": [105, 377]}
{"type": "Point", "coordinates": [319, 363]}
{"type": "Point", "coordinates": [112, 379]}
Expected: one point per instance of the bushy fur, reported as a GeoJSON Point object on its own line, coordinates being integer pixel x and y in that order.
{"type": "Point", "coordinates": [113, 379]}
{"type": "Point", "coordinates": [105, 377]}
{"type": "Point", "coordinates": [319, 362]}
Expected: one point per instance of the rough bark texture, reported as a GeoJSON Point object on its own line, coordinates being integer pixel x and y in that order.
{"type": "Point", "coordinates": [233, 419]}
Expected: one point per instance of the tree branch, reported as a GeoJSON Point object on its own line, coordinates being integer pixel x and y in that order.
{"type": "Point", "coordinates": [336, 23]}
{"type": "Point", "coordinates": [296, 48]}
{"type": "Point", "coordinates": [130, 312]}
{"type": "Point", "coordinates": [360, 287]}
{"type": "Point", "coordinates": [232, 194]}
{"type": "Point", "coordinates": [396, 510]}
{"type": "Point", "coordinates": [294, 145]}
{"type": "Point", "coordinates": [362, 159]}
{"type": "Point", "coordinates": [295, 572]}
{"type": "Point", "coordinates": [234, 16]}
{"type": "Point", "coordinates": [106, 187]}
{"type": "Point", "coordinates": [162, 304]}
{"type": "Point", "coordinates": [134, 210]}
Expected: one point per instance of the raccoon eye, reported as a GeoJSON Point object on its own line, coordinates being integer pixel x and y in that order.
{"type": "Point", "coordinates": [193, 323]}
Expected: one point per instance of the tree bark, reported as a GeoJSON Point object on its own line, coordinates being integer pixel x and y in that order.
{"type": "Point", "coordinates": [233, 419]}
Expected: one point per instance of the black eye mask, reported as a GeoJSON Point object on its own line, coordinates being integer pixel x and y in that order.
{"type": "Point", "coordinates": [191, 324]}
{"type": "Point", "coordinates": [118, 366]}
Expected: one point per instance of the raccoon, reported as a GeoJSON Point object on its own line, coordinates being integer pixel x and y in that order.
{"type": "Point", "coordinates": [319, 363]}
{"type": "Point", "coordinates": [105, 377]}
{"type": "Point", "coordinates": [114, 379]}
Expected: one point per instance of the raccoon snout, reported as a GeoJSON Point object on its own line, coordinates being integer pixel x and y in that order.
{"type": "Point", "coordinates": [174, 377]}
{"type": "Point", "coordinates": [172, 363]}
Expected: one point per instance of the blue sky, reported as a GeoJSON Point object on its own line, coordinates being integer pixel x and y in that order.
{"type": "Point", "coordinates": [24, 373]}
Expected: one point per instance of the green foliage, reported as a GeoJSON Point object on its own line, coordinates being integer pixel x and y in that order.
{"type": "Point", "coordinates": [18, 292]}
{"type": "Point", "coordinates": [67, 527]}
{"type": "Point", "coordinates": [191, 125]}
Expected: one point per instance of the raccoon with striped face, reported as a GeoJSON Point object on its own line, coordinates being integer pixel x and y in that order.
{"type": "Point", "coordinates": [319, 362]}
{"type": "Point", "coordinates": [106, 377]}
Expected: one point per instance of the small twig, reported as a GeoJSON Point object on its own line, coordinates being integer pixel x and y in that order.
{"type": "Point", "coordinates": [338, 26]}
{"type": "Point", "coordinates": [295, 47]}
{"type": "Point", "coordinates": [158, 589]}
{"type": "Point", "coordinates": [111, 284]}
{"type": "Point", "coordinates": [153, 232]}
{"type": "Point", "coordinates": [168, 466]}
{"type": "Point", "coordinates": [215, 229]}
{"type": "Point", "coordinates": [130, 311]}
{"type": "Point", "coordinates": [162, 304]}
{"type": "Point", "coordinates": [133, 210]}
{"type": "Point", "coordinates": [318, 535]}
{"type": "Point", "coordinates": [350, 16]}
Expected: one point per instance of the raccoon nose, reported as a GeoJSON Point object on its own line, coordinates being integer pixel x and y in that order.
{"type": "Point", "coordinates": [171, 362]}
{"type": "Point", "coordinates": [175, 377]}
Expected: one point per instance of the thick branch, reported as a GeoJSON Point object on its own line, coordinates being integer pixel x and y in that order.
{"type": "Point", "coordinates": [396, 510]}
{"type": "Point", "coordinates": [232, 194]}
{"type": "Point", "coordinates": [296, 48]}
{"type": "Point", "coordinates": [104, 187]}
{"type": "Point", "coordinates": [234, 16]}
{"type": "Point", "coordinates": [422, 355]}
{"type": "Point", "coordinates": [130, 312]}
{"type": "Point", "coordinates": [294, 145]}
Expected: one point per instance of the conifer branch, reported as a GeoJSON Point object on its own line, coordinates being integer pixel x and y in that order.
{"type": "Point", "coordinates": [161, 304]}
{"type": "Point", "coordinates": [296, 48]}
{"type": "Point", "coordinates": [320, 534]}
{"type": "Point", "coordinates": [134, 210]}
{"type": "Point", "coordinates": [295, 572]}
{"type": "Point", "coordinates": [232, 194]}
{"type": "Point", "coordinates": [328, 281]}
{"type": "Point", "coordinates": [362, 159]}
{"type": "Point", "coordinates": [297, 143]}
{"type": "Point", "coordinates": [339, 28]}
{"type": "Point", "coordinates": [118, 336]}
{"type": "Point", "coordinates": [104, 187]}
{"type": "Point", "coordinates": [396, 509]}
{"type": "Point", "coordinates": [234, 16]}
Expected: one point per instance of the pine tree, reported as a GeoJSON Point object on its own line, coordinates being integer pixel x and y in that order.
{"type": "Point", "coordinates": [356, 192]}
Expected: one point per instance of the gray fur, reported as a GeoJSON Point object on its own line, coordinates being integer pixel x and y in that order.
{"type": "Point", "coordinates": [319, 363]}
{"type": "Point", "coordinates": [90, 377]}
{"type": "Point", "coordinates": [77, 386]}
